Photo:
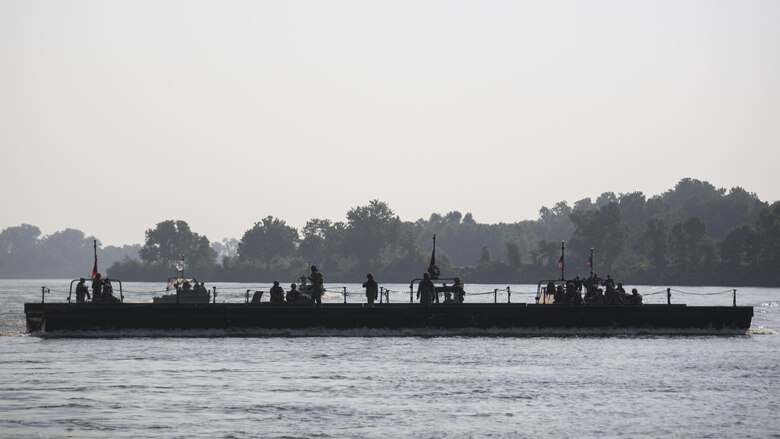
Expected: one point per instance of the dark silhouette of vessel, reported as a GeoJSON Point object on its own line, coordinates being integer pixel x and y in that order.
{"type": "Point", "coordinates": [71, 316]}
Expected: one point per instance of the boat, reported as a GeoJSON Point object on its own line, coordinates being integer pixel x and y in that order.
{"type": "Point", "coordinates": [183, 292]}
{"type": "Point", "coordinates": [447, 317]}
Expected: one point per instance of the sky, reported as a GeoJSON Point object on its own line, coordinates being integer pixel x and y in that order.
{"type": "Point", "coordinates": [116, 115]}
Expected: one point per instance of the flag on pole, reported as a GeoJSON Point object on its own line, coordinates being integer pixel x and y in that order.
{"type": "Point", "coordinates": [560, 263]}
{"type": "Point", "coordinates": [94, 267]}
{"type": "Point", "coordinates": [433, 270]}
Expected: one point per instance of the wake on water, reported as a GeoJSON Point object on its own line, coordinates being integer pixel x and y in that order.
{"type": "Point", "coordinates": [406, 332]}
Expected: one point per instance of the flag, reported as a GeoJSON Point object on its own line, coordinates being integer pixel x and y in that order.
{"type": "Point", "coordinates": [433, 270]}
{"type": "Point", "coordinates": [590, 261]}
{"type": "Point", "coordinates": [560, 263]}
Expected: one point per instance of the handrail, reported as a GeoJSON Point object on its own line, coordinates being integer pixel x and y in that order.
{"type": "Point", "coordinates": [70, 290]}
{"type": "Point", "coordinates": [384, 292]}
{"type": "Point", "coordinates": [121, 290]}
{"type": "Point", "coordinates": [121, 293]}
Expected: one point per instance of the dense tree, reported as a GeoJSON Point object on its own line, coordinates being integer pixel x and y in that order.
{"type": "Point", "coordinates": [172, 241]}
{"type": "Point", "coordinates": [632, 209]}
{"type": "Point", "coordinates": [601, 229]}
{"type": "Point", "coordinates": [321, 239]}
{"type": "Point", "coordinates": [605, 199]}
{"type": "Point", "coordinates": [486, 257]}
{"type": "Point", "coordinates": [410, 261]}
{"type": "Point", "coordinates": [691, 253]}
{"type": "Point", "coordinates": [65, 254]}
{"type": "Point", "coordinates": [514, 257]}
{"type": "Point", "coordinates": [546, 255]}
{"type": "Point", "coordinates": [109, 255]}
{"type": "Point", "coordinates": [68, 250]}
{"type": "Point", "coordinates": [453, 217]}
{"type": "Point", "coordinates": [19, 250]}
{"type": "Point", "coordinates": [584, 204]}
{"type": "Point", "coordinates": [768, 238]}
{"type": "Point", "coordinates": [268, 239]}
{"type": "Point", "coordinates": [372, 231]}
{"type": "Point", "coordinates": [689, 189]}
{"type": "Point", "coordinates": [556, 222]}
{"type": "Point", "coordinates": [655, 243]}
{"type": "Point", "coordinates": [739, 252]}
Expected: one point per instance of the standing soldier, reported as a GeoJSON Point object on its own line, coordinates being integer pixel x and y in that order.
{"type": "Point", "coordinates": [372, 289]}
{"type": "Point", "coordinates": [97, 288]}
{"type": "Point", "coordinates": [82, 291]}
{"type": "Point", "coordinates": [317, 282]}
{"type": "Point", "coordinates": [277, 293]}
{"type": "Point", "coordinates": [426, 289]}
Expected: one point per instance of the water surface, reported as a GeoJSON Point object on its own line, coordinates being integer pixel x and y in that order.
{"type": "Point", "coordinates": [409, 386]}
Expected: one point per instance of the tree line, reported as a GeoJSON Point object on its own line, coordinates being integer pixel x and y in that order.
{"type": "Point", "coordinates": [26, 253]}
{"type": "Point", "coordinates": [692, 234]}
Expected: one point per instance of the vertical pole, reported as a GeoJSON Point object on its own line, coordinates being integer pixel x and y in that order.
{"type": "Point", "coordinates": [94, 251]}
{"type": "Point", "coordinates": [43, 292]}
{"type": "Point", "coordinates": [563, 261]}
{"type": "Point", "coordinates": [668, 296]}
{"type": "Point", "coordinates": [591, 262]}
{"type": "Point", "coordinates": [411, 292]}
{"type": "Point", "coordinates": [735, 297]}
{"type": "Point", "coordinates": [345, 294]}
{"type": "Point", "coordinates": [214, 295]}
{"type": "Point", "coordinates": [495, 295]}
{"type": "Point", "coordinates": [509, 295]}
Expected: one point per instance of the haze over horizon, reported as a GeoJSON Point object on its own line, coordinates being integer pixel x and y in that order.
{"type": "Point", "coordinates": [115, 116]}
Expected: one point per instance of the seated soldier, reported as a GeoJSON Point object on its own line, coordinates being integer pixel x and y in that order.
{"type": "Point", "coordinates": [457, 289]}
{"type": "Point", "coordinates": [590, 296]}
{"type": "Point", "coordinates": [622, 297]}
{"type": "Point", "coordinates": [573, 296]}
{"type": "Point", "coordinates": [635, 298]}
{"type": "Point", "coordinates": [560, 295]}
{"type": "Point", "coordinates": [293, 295]}
{"type": "Point", "coordinates": [610, 295]}
{"type": "Point", "coordinates": [600, 300]}
{"type": "Point", "coordinates": [108, 292]}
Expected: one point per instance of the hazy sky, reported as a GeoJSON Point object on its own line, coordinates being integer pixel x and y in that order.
{"type": "Point", "coordinates": [117, 115]}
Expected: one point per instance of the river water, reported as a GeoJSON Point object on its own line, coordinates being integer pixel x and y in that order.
{"type": "Point", "coordinates": [360, 385]}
